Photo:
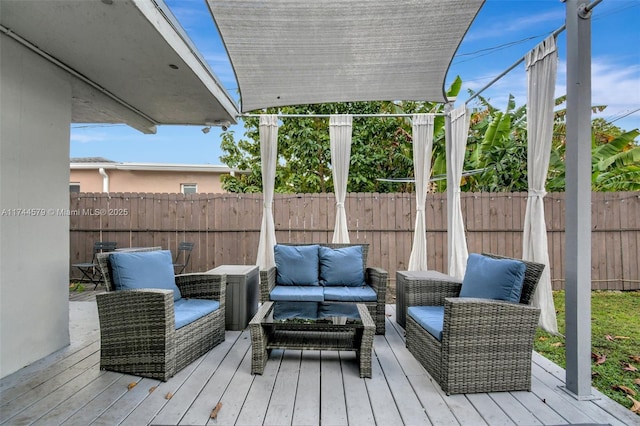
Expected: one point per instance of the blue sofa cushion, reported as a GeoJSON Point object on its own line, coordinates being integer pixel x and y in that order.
{"type": "Point", "coordinates": [350, 294]}
{"type": "Point", "coordinates": [489, 278]}
{"type": "Point", "coordinates": [145, 269]}
{"type": "Point", "coordinates": [431, 318]}
{"type": "Point", "coordinates": [188, 310]}
{"type": "Point", "coordinates": [296, 265]}
{"type": "Point", "coordinates": [297, 293]}
{"type": "Point", "coordinates": [288, 310]}
{"type": "Point", "coordinates": [342, 266]}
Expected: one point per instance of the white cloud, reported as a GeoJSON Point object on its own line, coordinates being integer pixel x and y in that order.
{"type": "Point", "coordinates": [613, 83]}
{"type": "Point", "coordinates": [88, 137]}
{"type": "Point", "coordinates": [220, 64]}
{"type": "Point", "coordinates": [616, 85]}
{"type": "Point", "coordinates": [514, 83]}
{"type": "Point", "coordinates": [514, 24]}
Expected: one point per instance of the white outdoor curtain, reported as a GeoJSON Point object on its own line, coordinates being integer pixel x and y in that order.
{"type": "Point", "coordinates": [422, 147]}
{"type": "Point", "coordinates": [268, 158]}
{"type": "Point", "coordinates": [456, 147]}
{"type": "Point", "coordinates": [340, 137]}
{"type": "Point", "coordinates": [541, 63]}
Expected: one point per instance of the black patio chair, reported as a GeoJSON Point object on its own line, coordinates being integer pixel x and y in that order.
{"type": "Point", "coordinates": [182, 257]}
{"type": "Point", "coordinates": [90, 270]}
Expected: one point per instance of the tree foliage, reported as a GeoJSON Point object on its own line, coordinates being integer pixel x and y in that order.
{"type": "Point", "coordinates": [382, 148]}
{"type": "Point", "coordinates": [615, 155]}
{"type": "Point", "coordinates": [497, 145]}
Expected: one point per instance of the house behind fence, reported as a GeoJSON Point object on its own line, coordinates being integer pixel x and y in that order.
{"type": "Point", "coordinates": [226, 227]}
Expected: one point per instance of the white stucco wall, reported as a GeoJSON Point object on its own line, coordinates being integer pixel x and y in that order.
{"type": "Point", "coordinates": [35, 116]}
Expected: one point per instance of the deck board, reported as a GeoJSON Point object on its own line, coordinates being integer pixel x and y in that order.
{"type": "Point", "coordinates": [539, 408]}
{"type": "Point", "coordinates": [306, 410]}
{"type": "Point", "coordinates": [381, 398]}
{"type": "Point", "coordinates": [517, 412]}
{"type": "Point", "coordinates": [285, 388]}
{"type": "Point", "coordinates": [333, 407]}
{"type": "Point", "coordinates": [185, 396]}
{"type": "Point", "coordinates": [297, 387]}
{"type": "Point", "coordinates": [491, 412]}
{"type": "Point", "coordinates": [212, 391]}
{"type": "Point", "coordinates": [257, 402]}
{"type": "Point", "coordinates": [124, 401]}
{"type": "Point", "coordinates": [359, 411]}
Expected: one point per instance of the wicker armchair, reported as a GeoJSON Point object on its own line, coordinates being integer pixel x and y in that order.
{"type": "Point", "coordinates": [137, 327]}
{"type": "Point", "coordinates": [375, 277]}
{"type": "Point", "coordinates": [486, 344]}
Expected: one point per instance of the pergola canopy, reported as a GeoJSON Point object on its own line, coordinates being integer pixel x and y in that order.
{"type": "Point", "coordinates": [290, 52]}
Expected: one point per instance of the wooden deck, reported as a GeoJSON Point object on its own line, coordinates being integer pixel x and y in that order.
{"type": "Point", "coordinates": [305, 388]}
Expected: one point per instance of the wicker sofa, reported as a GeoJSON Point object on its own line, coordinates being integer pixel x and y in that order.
{"type": "Point", "coordinates": [375, 278]}
{"type": "Point", "coordinates": [485, 346]}
{"type": "Point", "coordinates": [138, 332]}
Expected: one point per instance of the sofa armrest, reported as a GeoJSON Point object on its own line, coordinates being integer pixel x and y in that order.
{"type": "Point", "coordinates": [203, 286]}
{"type": "Point", "coordinates": [137, 326]}
{"type": "Point", "coordinates": [136, 308]}
{"type": "Point", "coordinates": [474, 323]}
{"type": "Point", "coordinates": [133, 315]}
{"type": "Point", "coordinates": [378, 279]}
{"type": "Point", "coordinates": [427, 292]}
{"type": "Point", "coordinates": [267, 283]}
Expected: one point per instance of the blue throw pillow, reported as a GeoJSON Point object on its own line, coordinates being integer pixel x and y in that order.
{"type": "Point", "coordinates": [145, 269]}
{"type": "Point", "coordinates": [341, 266]}
{"type": "Point", "coordinates": [296, 265]}
{"type": "Point", "coordinates": [490, 278]}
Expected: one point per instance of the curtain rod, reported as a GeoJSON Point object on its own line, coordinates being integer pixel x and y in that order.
{"type": "Point", "coordinates": [329, 115]}
{"type": "Point", "coordinates": [505, 72]}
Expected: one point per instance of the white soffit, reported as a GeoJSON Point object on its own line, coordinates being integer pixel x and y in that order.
{"type": "Point", "coordinates": [130, 60]}
{"type": "Point", "coordinates": [291, 52]}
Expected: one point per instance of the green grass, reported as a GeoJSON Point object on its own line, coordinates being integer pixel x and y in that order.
{"type": "Point", "coordinates": [77, 286]}
{"type": "Point", "coordinates": [615, 334]}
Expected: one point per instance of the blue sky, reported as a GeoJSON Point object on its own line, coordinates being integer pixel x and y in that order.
{"type": "Point", "coordinates": [502, 33]}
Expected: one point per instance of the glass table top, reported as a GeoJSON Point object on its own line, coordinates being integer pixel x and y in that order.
{"type": "Point", "coordinates": [313, 312]}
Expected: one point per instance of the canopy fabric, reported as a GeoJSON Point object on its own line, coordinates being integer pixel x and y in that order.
{"type": "Point", "coordinates": [268, 158]}
{"type": "Point", "coordinates": [541, 63]}
{"type": "Point", "coordinates": [456, 145]}
{"type": "Point", "coordinates": [288, 52]}
{"type": "Point", "coordinates": [340, 138]}
{"type": "Point", "coordinates": [422, 151]}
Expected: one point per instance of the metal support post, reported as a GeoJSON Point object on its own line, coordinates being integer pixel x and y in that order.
{"type": "Point", "coordinates": [578, 201]}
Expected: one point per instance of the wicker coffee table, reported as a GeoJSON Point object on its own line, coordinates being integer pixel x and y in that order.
{"type": "Point", "coordinates": [331, 333]}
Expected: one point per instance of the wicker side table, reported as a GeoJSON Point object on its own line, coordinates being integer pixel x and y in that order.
{"type": "Point", "coordinates": [267, 334]}
{"type": "Point", "coordinates": [420, 277]}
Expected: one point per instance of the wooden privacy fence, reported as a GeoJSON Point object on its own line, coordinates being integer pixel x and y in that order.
{"type": "Point", "coordinates": [225, 227]}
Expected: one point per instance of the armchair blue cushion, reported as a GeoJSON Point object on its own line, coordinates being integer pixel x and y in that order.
{"type": "Point", "coordinates": [187, 311]}
{"type": "Point", "coordinates": [296, 265]}
{"type": "Point", "coordinates": [489, 278]}
{"type": "Point", "coordinates": [144, 269]}
{"type": "Point", "coordinates": [342, 266]}
{"type": "Point", "coordinates": [431, 318]}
